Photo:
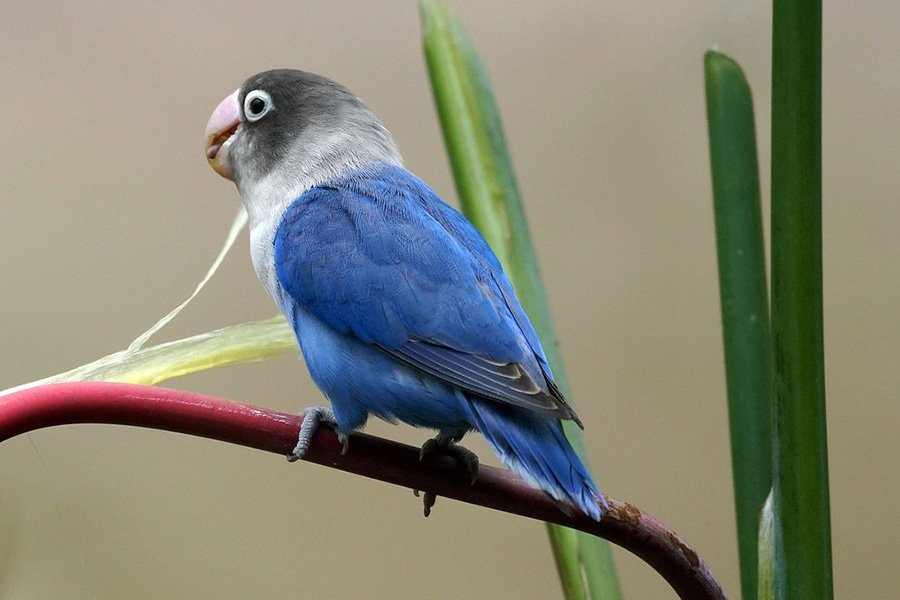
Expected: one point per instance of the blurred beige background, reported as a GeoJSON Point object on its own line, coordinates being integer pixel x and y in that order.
{"type": "Point", "coordinates": [110, 216]}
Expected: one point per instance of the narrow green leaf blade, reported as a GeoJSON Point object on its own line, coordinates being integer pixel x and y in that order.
{"type": "Point", "coordinates": [487, 188]}
{"type": "Point", "coordinates": [801, 500]}
{"type": "Point", "coordinates": [744, 298]}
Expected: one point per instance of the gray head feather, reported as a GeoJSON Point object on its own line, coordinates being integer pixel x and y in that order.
{"type": "Point", "coordinates": [316, 129]}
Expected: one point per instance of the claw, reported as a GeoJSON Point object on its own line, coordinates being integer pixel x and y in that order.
{"type": "Point", "coordinates": [428, 500]}
{"type": "Point", "coordinates": [312, 418]}
{"type": "Point", "coordinates": [344, 439]}
{"type": "Point", "coordinates": [428, 447]}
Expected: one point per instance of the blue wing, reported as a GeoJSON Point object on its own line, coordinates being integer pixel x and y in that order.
{"type": "Point", "coordinates": [377, 254]}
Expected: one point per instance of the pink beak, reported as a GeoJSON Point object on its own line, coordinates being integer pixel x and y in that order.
{"type": "Point", "coordinates": [220, 130]}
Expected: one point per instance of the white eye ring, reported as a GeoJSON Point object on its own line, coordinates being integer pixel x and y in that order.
{"type": "Point", "coordinates": [257, 104]}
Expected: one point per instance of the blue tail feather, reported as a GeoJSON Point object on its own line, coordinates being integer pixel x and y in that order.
{"type": "Point", "coordinates": [536, 448]}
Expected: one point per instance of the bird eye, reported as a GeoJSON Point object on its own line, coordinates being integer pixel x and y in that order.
{"type": "Point", "coordinates": [257, 104]}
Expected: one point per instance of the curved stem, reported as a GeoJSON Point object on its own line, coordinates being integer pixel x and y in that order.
{"type": "Point", "coordinates": [205, 416]}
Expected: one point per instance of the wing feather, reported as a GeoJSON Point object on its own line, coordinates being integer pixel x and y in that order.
{"type": "Point", "coordinates": [378, 255]}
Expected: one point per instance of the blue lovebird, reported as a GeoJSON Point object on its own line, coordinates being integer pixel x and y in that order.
{"type": "Point", "coordinates": [400, 307]}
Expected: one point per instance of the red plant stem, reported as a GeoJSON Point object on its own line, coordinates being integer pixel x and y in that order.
{"type": "Point", "coordinates": [205, 416]}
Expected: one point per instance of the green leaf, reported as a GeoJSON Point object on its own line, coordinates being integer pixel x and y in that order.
{"type": "Point", "coordinates": [490, 199]}
{"type": "Point", "coordinates": [801, 499]}
{"type": "Point", "coordinates": [744, 298]}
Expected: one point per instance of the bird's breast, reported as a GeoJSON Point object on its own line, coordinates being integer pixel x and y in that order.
{"type": "Point", "coordinates": [262, 255]}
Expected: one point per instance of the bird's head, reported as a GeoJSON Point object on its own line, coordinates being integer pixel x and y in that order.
{"type": "Point", "coordinates": [290, 130]}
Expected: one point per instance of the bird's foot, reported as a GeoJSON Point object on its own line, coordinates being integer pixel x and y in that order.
{"type": "Point", "coordinates": [446, 444]}
{"type": "Point", "coordinates": [312, 418]}
{"type": "Point", "coordinates": [464, 456]}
